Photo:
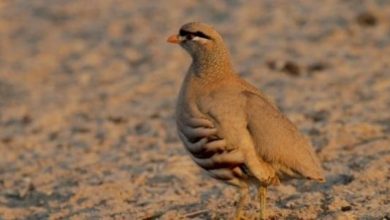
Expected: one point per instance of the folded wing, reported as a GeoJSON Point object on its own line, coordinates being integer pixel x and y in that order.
{"type": "Point", "coordinates": [278, 141]}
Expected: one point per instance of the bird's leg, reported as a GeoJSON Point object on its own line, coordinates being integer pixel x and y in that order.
{"type": "Point", "coordinates": [244, 191]}
{"type": "Point", "coordinates": [262, 193]}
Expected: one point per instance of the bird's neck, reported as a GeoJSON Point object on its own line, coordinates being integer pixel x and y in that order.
{"type": "Point", "coordinates": [212, 65]}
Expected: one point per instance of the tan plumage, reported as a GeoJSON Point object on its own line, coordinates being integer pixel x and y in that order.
{"type": "Point", "coordinates": [249, 140]}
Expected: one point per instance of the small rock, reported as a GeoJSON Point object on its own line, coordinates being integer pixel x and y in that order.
{"type": "Point", "coordinates": [366, 19]}
{"type": "Point", "coordinates": [52, 135]}
{"type": "Point", "coordinates": [316, 67]}
{"type": "Point", "coordinates": [318, 116]}
{"type": "Point", "coordinates": [117, 119]}
{"type": "Point", "coordinates": [155, 115]}
{"type": "Point", "coordinates": [288, 67]}
{"type": "Point", "coordinates": [337, 202]}
{"type": "Point", "coordinates": [26, 119]}
{"type": "Point", "coordinates": [142, 128]}
{"type": "Point", "coordinates": [346, 208]}
{"type": "Point", "coordinates": [292, 68]}
{"type": "Point", "coordinates": [275, 64]}
{"type": "Point", "coordinates": [6, 140]}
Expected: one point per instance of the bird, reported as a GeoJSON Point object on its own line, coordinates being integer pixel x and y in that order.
{"type": "Point", "coordinates": [230, 128]}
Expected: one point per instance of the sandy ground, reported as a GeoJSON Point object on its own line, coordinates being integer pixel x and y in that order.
{"type": "Point", "coordinates": [88, 89]}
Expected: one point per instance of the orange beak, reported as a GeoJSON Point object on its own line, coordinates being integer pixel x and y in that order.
{"type": "Point", "coordinates": [174, 39]}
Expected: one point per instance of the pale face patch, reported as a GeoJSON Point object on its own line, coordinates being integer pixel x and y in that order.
{"type": "Point", "coordinates": [200, 40]}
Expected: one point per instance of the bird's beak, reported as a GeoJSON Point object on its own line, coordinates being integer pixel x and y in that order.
{"type": "Point", "coordinates": [174, 39]}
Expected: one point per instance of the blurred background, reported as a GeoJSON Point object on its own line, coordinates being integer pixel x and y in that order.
{"type": "Point", "coordinates": [88, 89]}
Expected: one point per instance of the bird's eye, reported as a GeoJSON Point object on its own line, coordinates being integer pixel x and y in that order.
{"type": "Point", "coordinates": [189, 36]}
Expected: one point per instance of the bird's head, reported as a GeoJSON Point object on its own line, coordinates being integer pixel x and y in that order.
{"type": "Point", "coordinates": [198, 39]}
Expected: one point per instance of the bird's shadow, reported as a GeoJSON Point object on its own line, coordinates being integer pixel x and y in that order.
{"type": "Point", "coordinates": [331, 180]}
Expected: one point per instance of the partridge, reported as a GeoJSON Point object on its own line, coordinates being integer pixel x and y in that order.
{"type": "Point", "coordinates": [230, 128]}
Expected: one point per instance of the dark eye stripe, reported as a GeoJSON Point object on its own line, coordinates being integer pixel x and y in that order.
{"type": "Point", "coordinates": [198, 33]}
{"type": "Point", "coordinates": [184, 33]}
{"type": "Point", "coordinates": [201, 34]}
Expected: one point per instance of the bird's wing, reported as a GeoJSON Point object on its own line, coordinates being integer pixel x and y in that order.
{"type": "Point", "coordinates": [278, 141]}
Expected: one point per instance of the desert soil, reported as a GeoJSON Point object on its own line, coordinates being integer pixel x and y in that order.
{"type": "Point", "coordinates": [88, 90]}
